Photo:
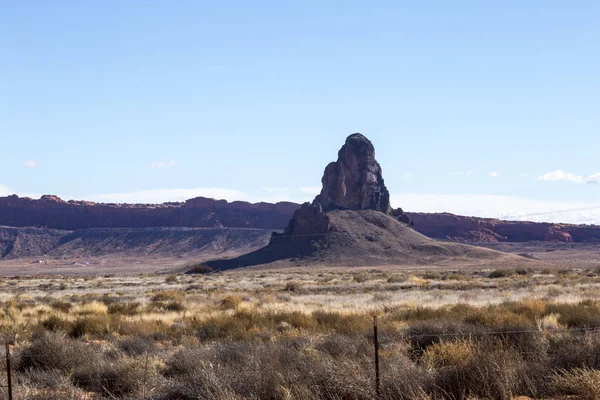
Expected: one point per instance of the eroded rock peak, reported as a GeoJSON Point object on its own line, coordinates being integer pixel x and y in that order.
{"type": "Point", "coordinates": [354, 181]}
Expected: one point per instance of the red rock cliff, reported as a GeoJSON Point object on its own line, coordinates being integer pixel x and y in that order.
{"type": "Point", "coordinates": [53, 212]}
{"type": "Point", "coordinates": [473, 229]}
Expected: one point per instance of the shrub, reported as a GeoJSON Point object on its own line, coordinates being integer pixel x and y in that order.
{"type": "Point", "coordinates": [93, 308]}
{"type": "Point", "coordinates": [447, 354]}
{"type": "Point", "coordinates": [114, 379]}
{"type": "Point", "coordinates": [342, 323]}
{"type": "Point", "coordinates": [231, 302]}
{"type": "Point", "coordinates": [396, 278]}
{"type": "Point", "coordinates": [61, 306]}
{"type": "Point", "coordinates": [55, 323]}
{"type": "Point", "coordinates": [501, 273]}
{"type": "Point", "coordinates": [176, 306]}
{"type": "Point", "coordinates": [127, 308]}
{"type": "Point", "coordinates": [51, 351]}
{"type": "Point", "coordinates": [574, 350]}
{"type": "Point", "coordinates": [48, 385]}
{"type": "Point", "coordinates": [135, 346]}
{"type": "Point", "coordinates": [337, 346]}
{"type": "Point", "coordinates": [90, 326]}
{"type": "Point", "coordinates": [424, 334]}
{"type": "Point", "coordinates": [292, 287]}
{"type": "Point", "coordinates": [581, 382]}
{"type": "Point", "coordinates": [360, 277]}
{"type": "Point", "coordinates": [199, 269]}
{"type": "Point", "coordinates": [171, 279]}
{"type": "Point", "coordinates": [162, 297]}
{"type": "Point", "coordinates": [585, 314]}
{"type": "Point", "coordinates": [495, 371]}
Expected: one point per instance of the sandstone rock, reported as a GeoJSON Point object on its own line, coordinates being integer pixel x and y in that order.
{"type": "Point", "coordinates": [354, 181]}
{"type": "Point", "coordinates": [52, 212]}
{"type": "Point", "coordinates": [556, 234]}
{"type": "Point", "coordinates": [473, 229]}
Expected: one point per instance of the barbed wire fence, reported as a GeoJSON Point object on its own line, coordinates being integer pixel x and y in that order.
{"type": "Point", "coordinates": [378, 372]}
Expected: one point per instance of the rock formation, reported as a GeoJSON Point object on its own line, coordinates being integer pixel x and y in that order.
{"type": "Point", "coordinates": [353, 182]}
{"type": "Point", "coordinates": [472, 229]}
{"type": "Point", "coordinates": [351, 223]}
{"type": "Point", "coordinates": [55, 213]}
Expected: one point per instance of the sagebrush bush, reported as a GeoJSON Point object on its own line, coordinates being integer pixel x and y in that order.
{"type": "Point", "coordinates": [582, 382]}
{"type": "Point", "coordinates": [447, 354]}
{"type": "Point", "coordinates": [397, 278]}
{"type": "Point", "coordinates": [292, 287]}
{"type": "Point", "coordinates": [54, 351]}
{"type": "Point", "coordinates": [137, 345]}
{"type": "Point", "coordinates": [231, 302]}
{"type": "Point", "coordinates": [95, 326]}
{"type": "Point", "coordinates": [502, 273]}
{"type": "Point", "coordinates": [56, 323]}
{"type": "Point", "coordinates": [125, 308]}
{"type": "Point", "coordinates": [199, 269]}
{"type": "Point", "coordinates": [62, 306]}
{"type": "Point", "coordinates": [114, 379]}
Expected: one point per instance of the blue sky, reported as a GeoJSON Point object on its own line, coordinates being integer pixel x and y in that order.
{"type": "Point", "coordinates": [480, 108]}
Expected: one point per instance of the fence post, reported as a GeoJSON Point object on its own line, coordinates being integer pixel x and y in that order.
{"type": "Point", "coordinates": [376, 342]}
{"type": "Point", "coordinates": [145, 376]}
{"type": "Point", "coordinates": [8, 372]}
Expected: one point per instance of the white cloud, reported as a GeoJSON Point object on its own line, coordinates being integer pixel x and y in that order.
{"type": "Point", "coordinates": [4, 191]}
{"type": "Point", "coordinates": [163, 164]}
{"type": "Point", "coordinates": [524, 175]}
{"type": "Point", "coordinates": [503, 207]}
{"type": "Point", "coordinates": [559, 175]}
{"type": "Point", "coordinates": [30, 164]}
{"type": "Point", "coordinates": [494, 174]}
{"type": "Point", "coordinates": [593, 178]}
{"type": "Point", "coordinates": [153, 196]}
{"type": "Point", "coordinates": [312, 190]}
{"type": "Point", "coordinates": [463, 173]}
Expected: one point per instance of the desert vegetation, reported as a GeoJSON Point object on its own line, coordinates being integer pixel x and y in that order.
{"type": "Point", "coordinates": [444, 334]}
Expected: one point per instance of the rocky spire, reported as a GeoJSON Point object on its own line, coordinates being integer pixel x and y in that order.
{"type": "Point", "coordinates": [354, 181]}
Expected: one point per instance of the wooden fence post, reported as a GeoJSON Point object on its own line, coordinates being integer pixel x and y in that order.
{"type": "Point", "coordinates": [376, 342]}
{"type": "Point", "coordinates": [8, 372]}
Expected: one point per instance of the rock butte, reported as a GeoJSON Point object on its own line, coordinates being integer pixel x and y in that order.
{"type": "Point", "coordinates": [353, 182]}
{"type": "Point", "coordinates": [351, 223]}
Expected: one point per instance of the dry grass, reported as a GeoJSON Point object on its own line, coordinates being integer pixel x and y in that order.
{"type": "Point", "coordinates": [306, 335]}
{"type": "Point", "coordinates": [582, 382]}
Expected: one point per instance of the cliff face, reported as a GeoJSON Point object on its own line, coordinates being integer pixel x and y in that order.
{"type": "Point", "coordinates": [354, 181]}
{"type": "Point", "coordinates": [472, 229]}
{"type": "Point", "coordinates": [52, 212]}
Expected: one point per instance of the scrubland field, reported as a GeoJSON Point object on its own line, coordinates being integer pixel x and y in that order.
{"type": "Point", "coordinates": [306, 334]}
